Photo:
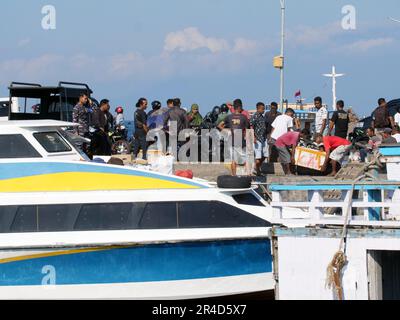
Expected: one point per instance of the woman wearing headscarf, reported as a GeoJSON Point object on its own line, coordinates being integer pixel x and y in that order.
{"type": "Point", "coordinates": [194, 117]}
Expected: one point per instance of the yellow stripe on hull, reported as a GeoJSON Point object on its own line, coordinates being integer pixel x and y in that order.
{"type": "Point", "coordinates": [86, 181]}
{"type": "Point", "coordinates": [61, 253]}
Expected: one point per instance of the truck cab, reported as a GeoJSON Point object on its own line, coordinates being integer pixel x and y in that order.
{"type": "Point", "coordinates": [36, 102]}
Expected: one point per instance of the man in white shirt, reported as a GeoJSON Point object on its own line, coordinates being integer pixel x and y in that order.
{"type": "Point", "coordinates": [321, 120]}
{"type": "Point", "coordinates": [282, 124]}
{"type": "Point", "coordinates": [397, 118]}
{"type": "Point", "coordinates": [396, 133]}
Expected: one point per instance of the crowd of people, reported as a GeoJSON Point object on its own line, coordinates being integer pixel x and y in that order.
{"type": "Point", "coordinates": [275, 136]}
{"type": "Point", "coordinates": [96, 123]}
{"type": "Point", "coordinates": [335, 135]}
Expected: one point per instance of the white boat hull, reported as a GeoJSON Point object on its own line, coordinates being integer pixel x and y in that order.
{"type": "Point", "coordinates": [168, 290]}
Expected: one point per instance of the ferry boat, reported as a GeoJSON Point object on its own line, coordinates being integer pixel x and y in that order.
{"type": "Point", "coordinates": [72, 229]}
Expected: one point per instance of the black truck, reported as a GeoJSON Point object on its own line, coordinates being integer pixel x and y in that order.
{"type": "Point", "coordinates": [37, 102]}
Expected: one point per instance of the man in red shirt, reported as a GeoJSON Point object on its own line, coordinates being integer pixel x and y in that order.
{"type": "Point", "coordinates": [242, 111]}
{"type": "Point", "coordinates": [336, 149]}
{"type": "Point", "coordinates": [289, 140]}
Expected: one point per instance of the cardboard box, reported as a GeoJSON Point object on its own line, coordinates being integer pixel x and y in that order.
{"type": "Point", "coordinates": [309, 158]}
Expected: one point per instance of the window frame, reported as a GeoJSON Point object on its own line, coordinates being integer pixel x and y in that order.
{"type": "Point", "coordinates": [66, 143]}
{"type": "Point", "coordinates": [35, 153]}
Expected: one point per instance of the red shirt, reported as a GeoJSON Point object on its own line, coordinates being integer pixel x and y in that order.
{"type": "Point", "coordinates": [331, 143]}
{"type": "Point", "coordinates": [288, 139]}
{"type": "Point", "coordinates": [244, 112]}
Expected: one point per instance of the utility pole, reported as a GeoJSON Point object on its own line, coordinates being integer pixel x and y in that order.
{"type": "Point", "coordinates": [282, 93]}
{"type": "Point", "coordinates": [334, 75]}
{"type": "Point", "coordinates": [279, 61]}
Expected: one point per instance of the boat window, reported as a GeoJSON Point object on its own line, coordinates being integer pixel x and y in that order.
{"type": "Point", "coordinates": [7, 216]}
{"type": "Point", "coordinates": [4, 108]}
{"type": "Point", "coordinates": [44, 218]}
{"type": "Point", "coordinates": [124, 216]}
{"type": "Point", "coordinates": [16, 146]}
{"type": "Point", "coordinates": [159, 215]}
{"type": "Point", "coordinates": [53, 218]}
{"type": "Point", "coordinates": [52, 142]}
{"type": "Point", "coordinates": [26, 220]}
{"type": "Point", "coordinates": [247, 199]}
{"type": "Point", "coordinates": [113, 216]}
{"type": "Point", "coordinates": [74, 140]}
{"type": "Point", "coordinates": [212, 214]}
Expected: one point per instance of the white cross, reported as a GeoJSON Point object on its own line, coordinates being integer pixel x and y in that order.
{"type": "Point", "coordinates": [394, 20]}
{"type": "Point", "coordinates": [334, 75]}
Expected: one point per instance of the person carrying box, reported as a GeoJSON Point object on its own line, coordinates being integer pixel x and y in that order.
{"type": "Point", "coordinates": [287, 141]}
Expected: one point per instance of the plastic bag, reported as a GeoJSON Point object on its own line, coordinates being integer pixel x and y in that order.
{"type": "Point", "coordinates": [163, 164]}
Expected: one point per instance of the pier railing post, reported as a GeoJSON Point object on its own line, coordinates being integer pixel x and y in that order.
{"type": "Point", "coordinates": [395, 199]}
{"type": "Point", "coordinates": [277, 211]}
{"type": "Point", "coordinates": [316, 198]}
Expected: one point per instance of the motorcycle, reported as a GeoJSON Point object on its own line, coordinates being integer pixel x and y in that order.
{"type": "Point", "coordinates": [119, 143]}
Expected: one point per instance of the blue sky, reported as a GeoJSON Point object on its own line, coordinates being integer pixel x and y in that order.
{"type": "Point", "coordinates": [205, 52]}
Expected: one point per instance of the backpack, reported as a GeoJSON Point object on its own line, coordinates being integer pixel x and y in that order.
{"type": "Point", "coordinates": [381, 117]}
{"type": "Point", "coordinates": [359, 136]}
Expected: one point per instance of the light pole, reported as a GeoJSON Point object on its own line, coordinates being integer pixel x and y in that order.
{"type": "Point", "coordinates": [282, 91]}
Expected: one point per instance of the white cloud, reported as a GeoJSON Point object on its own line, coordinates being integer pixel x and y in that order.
{"type": "Point", "coordinates": [29, 69]}
{"type": "Point", "coordinates": [245, 46]}
{"type": "Point", "coordinates": [126, 63]}
{"type": "Point", "coordinates": [366, 45]}
{"type": "Point", "coordinates": [82, 61]}
{"type": "Point", "coordinates": [309, 35]}
{"type": "Point", "coordinates": [220, 55]}
{"type": "Point", "coordinates": [24, 42]}
{"type": "Point", "coordinates": [191, 39]}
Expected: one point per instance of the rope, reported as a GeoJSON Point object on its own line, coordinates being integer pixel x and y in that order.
{"type": "Point", "coordinates": [335, 267]}
{"type": "Point", "coordinates": [334, 272]}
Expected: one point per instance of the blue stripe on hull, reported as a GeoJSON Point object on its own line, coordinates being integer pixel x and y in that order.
{"type": "Point", "coordinates": [167, 262]}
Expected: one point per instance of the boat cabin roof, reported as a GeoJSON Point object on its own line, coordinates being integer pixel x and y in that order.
{"type": "Point", "coordinates": [37, 124]}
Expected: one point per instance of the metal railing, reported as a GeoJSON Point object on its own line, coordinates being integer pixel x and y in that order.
{"type": "Point", "coordinates": [378, 201]}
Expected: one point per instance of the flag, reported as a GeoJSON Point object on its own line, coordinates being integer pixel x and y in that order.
{"type": "Point", "coordinates": [297, 94]}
